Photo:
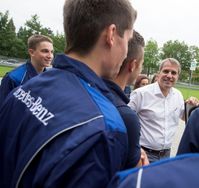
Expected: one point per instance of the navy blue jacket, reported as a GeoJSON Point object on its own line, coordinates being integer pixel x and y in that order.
{"type": "Point", "coordinates": [190, 139]}
{"type": "Point", "coordinates": [15, 78]}
{"type": "Point", "coordinates": [58, 130]}
{"type": "Point", "coordinates": [131, 121]}
{"type": "Point", "coordinates": [177, 172]}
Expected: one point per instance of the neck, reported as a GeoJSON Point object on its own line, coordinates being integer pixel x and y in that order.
{"type": "Point", "coordinates": [90, 60]}
{"type": "Point", "coordinates": [121, 81]}
{"type": "Point", "coordinates": [38, 68]}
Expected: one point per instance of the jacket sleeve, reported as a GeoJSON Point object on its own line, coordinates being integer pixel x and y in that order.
{"type": "Point", "coordinates": [7, 85]}
{"type": "Point", "coordinates": [190, 139]}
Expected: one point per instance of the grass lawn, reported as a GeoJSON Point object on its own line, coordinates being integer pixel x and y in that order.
{"type": "Point", "coordinates": [5, 69]}
{"type": "Point", "coordinates": [188, 92]}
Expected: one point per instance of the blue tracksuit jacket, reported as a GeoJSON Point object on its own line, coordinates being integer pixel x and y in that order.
{"type": "Point", "coordinates": [131, 121]}
{"type": "Point", "coordinates": [58, 130]}
{"type": "Point", "coordinates": [177, 172]}
{"type": "Point", "coordinates": [15, 78]}
{"type": "Point", "coordinates": [190, 139]}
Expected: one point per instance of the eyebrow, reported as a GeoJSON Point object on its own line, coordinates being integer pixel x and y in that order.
{"type": "Point", "coordinates": [166, 71]}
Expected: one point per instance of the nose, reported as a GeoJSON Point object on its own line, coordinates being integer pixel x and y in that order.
{"type": "Point", "coordinates": [50, 55]}
{"type": "Point", "coordinates": [169, 74]}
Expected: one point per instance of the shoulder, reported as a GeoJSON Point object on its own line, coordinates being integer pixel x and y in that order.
{"type": "Point", "coordinates": [17, 74]}
{"type": "Point", "coordinates": [187, 166]}
{"type": "Point", "coordinates": [177, 93]}
{"type": "Point", "coordinates": [194, 117]}
{"type": "Point", "coordinates": [143, 91]}
{"type": "Point", "coordinates": [147, 88]}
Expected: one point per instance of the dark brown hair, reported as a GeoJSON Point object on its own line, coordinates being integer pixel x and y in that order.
{"type": "Point", "coordinates": [135, 46]}
{"type": "Point", "coordinates": [84, 20]}
{"type": "Point", "coordinates": [139, 79]}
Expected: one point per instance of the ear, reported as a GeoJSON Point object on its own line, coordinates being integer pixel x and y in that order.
{"type": "Point", "coordinates": [132, 65]}
{"type": "Point", "coordinates": [31, 52]}
{"type": "Point", "coordinates": [110, 34]}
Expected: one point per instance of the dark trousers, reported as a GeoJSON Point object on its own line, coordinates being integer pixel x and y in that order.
{"type": "Point", "coordinates": [156, 155]}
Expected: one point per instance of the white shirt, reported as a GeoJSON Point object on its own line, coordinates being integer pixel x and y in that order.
{"type": "Point", "coordinates": [159, 115]}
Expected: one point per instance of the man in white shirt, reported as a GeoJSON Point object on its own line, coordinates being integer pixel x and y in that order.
{"type": "Point", "coordinates": [159, 107]}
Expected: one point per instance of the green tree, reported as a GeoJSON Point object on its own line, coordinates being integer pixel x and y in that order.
{"type": "Point", "coordinates": [194, 53]}
{"type": "Point", "coordinates": [195, 57]}
{"type": "Point", "coordinates": [32, 26]}
{"type": "Point", "coordinates": [178, 50]}
{"type": "Point", "coordinates": [151, 57]}
{"type": "Point", "coordinates": [58, 42]}
{"type": "Point", "coordinates": [7, 35]}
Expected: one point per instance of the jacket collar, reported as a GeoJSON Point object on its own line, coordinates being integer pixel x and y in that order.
{"type": "Point", "coordinates": [65, 62]}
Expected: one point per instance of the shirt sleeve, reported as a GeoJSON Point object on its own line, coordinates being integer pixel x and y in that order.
{"type": "Point", "coordinates": [135, 99]}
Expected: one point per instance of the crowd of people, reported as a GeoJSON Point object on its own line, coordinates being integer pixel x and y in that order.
{"type": "Point", "coordinates": [73, 125]}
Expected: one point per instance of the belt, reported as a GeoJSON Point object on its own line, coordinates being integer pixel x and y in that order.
{"type": "Point", "coordinates": [156, 152]}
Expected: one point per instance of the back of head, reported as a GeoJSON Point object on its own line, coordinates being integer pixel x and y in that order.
{"type": "Point", "coordinates": [84, 20]}
{"type": "Point", "coordinates": [135, 46]}
{"type": "Point", "coordinates": [36, 39]}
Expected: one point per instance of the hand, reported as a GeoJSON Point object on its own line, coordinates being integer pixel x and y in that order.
{"type": "Point", "coordinates": [144, 158]}
{"type": "Point", "coordinates": [192, 101]}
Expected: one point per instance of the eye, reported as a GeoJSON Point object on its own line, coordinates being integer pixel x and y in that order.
{"type": "Point", "coordinates": [173, 72]}
{"type": "Point", "coordinates": [168, 71]}
{"type": "Point", "coordinates": [165, 71]}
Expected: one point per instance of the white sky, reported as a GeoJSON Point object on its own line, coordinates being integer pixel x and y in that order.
{"type": "Point", "coordinates": [161, 20]}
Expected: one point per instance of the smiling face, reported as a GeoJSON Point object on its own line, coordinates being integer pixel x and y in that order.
{"type": "Point", "coordinates": [42, 55]}
{"type": "Point", "coordinates": [168, 76]}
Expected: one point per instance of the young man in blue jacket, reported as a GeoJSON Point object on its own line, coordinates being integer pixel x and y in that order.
{"type": "Point", "coordinates": [40, 49]}
{"type": "Point", "coordinates": [128, 73]}
{"type": "Point", "coordinates": [58, 129]}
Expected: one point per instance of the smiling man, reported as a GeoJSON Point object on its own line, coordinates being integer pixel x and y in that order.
{"type": "Point", "coordinates": [159, 107]}
{"type": "Point", "coordinates": [40, 49]}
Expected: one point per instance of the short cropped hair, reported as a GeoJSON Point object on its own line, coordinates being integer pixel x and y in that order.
{"type": "Point", "coordinates": [135, 46]}
{"type": "Point", "coordinates": [84, 20]}
{"type": "Point", "coordinates": [172, 61]}
{"type": "Point", "coordinates": [36, 39]}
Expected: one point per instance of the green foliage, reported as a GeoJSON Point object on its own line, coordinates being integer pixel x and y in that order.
{"type": "Point", "coordinates": [7, 34]}
{"type": "Point", "coordinates": [58, 42]}
{"type": "Point", "coordinates": [175, 49]}
{"type": "Point", "coordinates": [151, 57]}
{"type": "Point", "coordinates": [14, 44]}
{"type": "Point", "coordinates": [179, 51]}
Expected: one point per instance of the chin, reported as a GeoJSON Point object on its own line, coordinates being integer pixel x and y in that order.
{"type": "Point", "coordinates": [48, 65]}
